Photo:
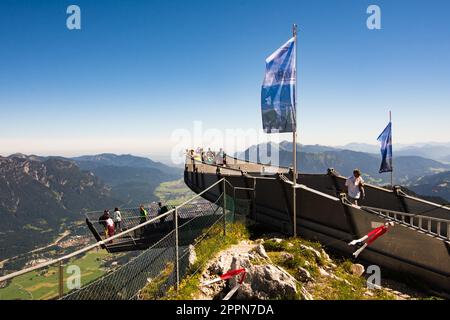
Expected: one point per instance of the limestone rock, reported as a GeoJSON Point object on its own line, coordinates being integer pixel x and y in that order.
{"type": "Point", "coordinates": [262, 281]}
{"type": "Point", "coordinates": [311, 249]}
{"type": "Point", "coordinates": [368, 293]}
{"type": "Point", "coordinates": [357, 269]}
{"type": "Point", "coordinates": [305, 294]}
{"type": "Point", "coordinates": [192, 255]}
{"type": "Point", "coordinates": [259, 249]}
{"type": "Point", "coordinates": [303, 274]}
{"type": "Point", "coordinates": [267, 282]}
{"type": "Point", "coordinates": [286, 256]}
{"type": "Point", "coordinates": [325, 255]}
{"type": "Point", "coordinates": [323, 273]}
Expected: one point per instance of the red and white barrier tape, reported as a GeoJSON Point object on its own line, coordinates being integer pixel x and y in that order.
{"type": "Point", "coordinates": [226, 276]}
{"type": "Point", "coordinates": [371, 237]}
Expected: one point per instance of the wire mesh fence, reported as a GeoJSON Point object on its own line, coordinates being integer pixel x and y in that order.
{"type": "Point", "coordinates": [157, 268]}
{"type": "Point", "coordinates": [93, 273]}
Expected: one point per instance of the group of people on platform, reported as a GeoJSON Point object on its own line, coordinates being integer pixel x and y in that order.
{"type": "Point", "coordinates": [111, 224]}
{"type": "Point", "coordinates": [354, 184]}
{"type": "Point", "coordinates": [210, 157]}
{"type": "Point", "coordinates": [114, 223]}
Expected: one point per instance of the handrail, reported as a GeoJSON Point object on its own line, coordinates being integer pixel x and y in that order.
{"type": "Point", "coordinates": [406, 214]}
{"type": "Point", "coordinates": [102, 242]}
{"type": "Point", "coordinates": [303, 187]}
{"type": "Point", "coordinates": [214, 165]}
{"type": "Point", "coordinates": [421, 220]}
{"type": "Point", "coordinates": [259, 163]}
{"type": "Point", "coordinates": [246, 174]}
{"type": "Point", "coordinates": [443, 206]}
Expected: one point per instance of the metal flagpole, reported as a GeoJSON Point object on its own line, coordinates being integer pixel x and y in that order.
{"type": "Point", "coordinates": [392, 159]}
{"type": "Point", "coordinates": [294, 141]}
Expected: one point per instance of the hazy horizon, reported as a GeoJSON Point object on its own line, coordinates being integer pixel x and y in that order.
{"type": "Point", "coordinates": [165, 156]}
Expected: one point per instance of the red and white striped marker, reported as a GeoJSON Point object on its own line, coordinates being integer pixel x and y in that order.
{"type": "Point", "coordinates": [371, 237]}
{"type": "Point", "coordinates": [226, 276]}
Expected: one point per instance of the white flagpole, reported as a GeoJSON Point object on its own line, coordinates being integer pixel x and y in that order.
{"type": "Point", "coordinates": [294, 141]}
{"type": "Point", "coordinates": [392, 161]}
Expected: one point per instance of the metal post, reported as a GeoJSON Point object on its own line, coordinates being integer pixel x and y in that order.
{"type": "Point", "coordinates": [224, 208]}
{"type": "Point", "coordinates": [392, 160]}
{"type": "Point", "coordinates": [177, 267]}
{"type": "Point", "coordinates": [255, 219]}
{"type": "Point", "coordinates": [61, 279]}
{"type": "Point", "coordinates": [448, 231]}
{"type": "Point", "coordinates": [294, 141]}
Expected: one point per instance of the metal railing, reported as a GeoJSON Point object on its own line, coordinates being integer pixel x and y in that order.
{"type": "Point", "coordinates": [436, 227]}
{"type": "Point", "coordinates": [124, 282]}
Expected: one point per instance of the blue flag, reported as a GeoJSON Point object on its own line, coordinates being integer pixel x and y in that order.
{"type": "Point", "coordinates": [386, 149]}
{"type": "Point", "coordinates": [278, 90]}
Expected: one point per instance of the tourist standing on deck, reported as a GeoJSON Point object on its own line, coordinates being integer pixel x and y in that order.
{"type": "Point", "coordinates": [117, 219]}
{"type": "Point", "coordinates": [143, 214]}
{"type": "Point", "coordinates": [161, 210]}
{"type": "Point", "coordinates": [102, 221]}
{"type": "Point", "coordinates": [110, 227]}
{"type": "Point", "coordinates": [219, 158]}
{"type": "Point", "coordinates": [355, 187]}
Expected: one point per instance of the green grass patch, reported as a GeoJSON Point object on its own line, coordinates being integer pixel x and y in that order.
{"type": "Point", "coordinates": [43, 284]}
{"type": "Point", "coordinates": [153, 290]}
{"type": "Point", "coordinates": [173, 193]}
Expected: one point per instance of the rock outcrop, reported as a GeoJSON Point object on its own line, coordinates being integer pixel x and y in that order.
{"type": "Point", "coordinates": [263, 279]}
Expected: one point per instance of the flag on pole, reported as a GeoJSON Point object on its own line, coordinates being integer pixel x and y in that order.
{"type": "Point", "coordinates": [386, 149]}
{"type": "Point", "coordinates": [278, 90]}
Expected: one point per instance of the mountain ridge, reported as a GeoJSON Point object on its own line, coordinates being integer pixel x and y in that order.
{"type": "Point", "coordinates": [406, 168]}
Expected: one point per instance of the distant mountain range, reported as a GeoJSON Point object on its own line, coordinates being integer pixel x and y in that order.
{"type": "Point", "coordinates": [432, 150]}
{"type": "Point", "coordinates": [317, 159]}
{"type": "Point", "coordinates": [132, 179]}
{"type": "Point", "coordinates": [39, 194]}
{"type": "Point", "coordinates": [437, 185]}
{"type": "Point", "coordinates": [125, 160]}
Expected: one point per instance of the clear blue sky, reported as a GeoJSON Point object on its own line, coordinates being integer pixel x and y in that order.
{"type": "Point", "coordinates": [138, 70]}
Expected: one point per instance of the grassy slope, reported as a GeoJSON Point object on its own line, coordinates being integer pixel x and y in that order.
{"type": "Point", "coordinates": [205, 250]}
{"type": "Point", "coordinates": [346, 287]}
{"type": "Point", "coordinates": [324, 288]}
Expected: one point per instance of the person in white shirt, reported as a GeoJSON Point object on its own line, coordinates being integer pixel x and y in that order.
{"type": "Point", "coordinates": [355, 187]}
{"type": "Point", "coordinates": [117, 216]}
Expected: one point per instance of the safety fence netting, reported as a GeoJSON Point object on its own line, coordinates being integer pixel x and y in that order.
{"type": "Point", "coordinates": [164, 262]}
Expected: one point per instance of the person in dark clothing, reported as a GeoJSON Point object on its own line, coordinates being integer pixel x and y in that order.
{"type": "Point", "coordinates": [102, 221]}
{"type": "Point", "coordinates": [161, 210]}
